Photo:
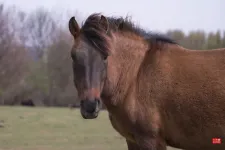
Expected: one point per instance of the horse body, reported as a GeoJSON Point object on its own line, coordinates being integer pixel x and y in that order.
{"type": "Point", "coordinates": [195, 107]}
{"type": "Point", "coordinates": [185, 96]}
{"type": "Point", "coordinates": [157, 93]}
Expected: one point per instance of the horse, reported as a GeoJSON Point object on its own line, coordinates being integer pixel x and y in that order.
{"type": "Point", "coordinates": [157, 93]}
{"type": "Point", "coordinates": [28, 102]}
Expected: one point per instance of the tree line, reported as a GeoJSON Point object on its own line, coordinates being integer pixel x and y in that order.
{"type": "Point", "coordinates": [35, 61]}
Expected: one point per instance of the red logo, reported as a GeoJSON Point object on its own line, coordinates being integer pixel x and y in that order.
{"type": "Point", "coordinates": [216, 140]}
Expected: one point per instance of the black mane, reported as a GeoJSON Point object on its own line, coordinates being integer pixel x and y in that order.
{"type": "Point", "coordinates": [96, 35]}
{"type": "Point", "coordinates": [125, 24]}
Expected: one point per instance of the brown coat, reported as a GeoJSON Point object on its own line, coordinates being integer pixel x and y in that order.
{"type": "Point", "coordinates": [176, 94]}
{"type": "Point", "coordinates": [157, 92]}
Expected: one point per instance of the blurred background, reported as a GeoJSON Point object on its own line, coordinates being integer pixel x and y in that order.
{"type": "Point", "coordinates": [35, 63]}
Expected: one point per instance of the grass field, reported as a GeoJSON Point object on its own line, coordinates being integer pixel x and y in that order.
{"type": "Point", "coordinates": [23, 128]}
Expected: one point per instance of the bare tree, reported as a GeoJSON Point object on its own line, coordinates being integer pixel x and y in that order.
{"type": "Point", "coordinates": [60, 70]}
{"type": "Point", "coordinates": [13, 56]}
{"type": "Point", "coordinates": [39, 29]}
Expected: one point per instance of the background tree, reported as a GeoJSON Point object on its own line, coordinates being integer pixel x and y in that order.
{"type": "Point", "coordinates": [35, 58]}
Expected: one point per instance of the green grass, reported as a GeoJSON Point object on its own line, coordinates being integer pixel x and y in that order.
{"type": "Point", "coordinates": [56, 129]}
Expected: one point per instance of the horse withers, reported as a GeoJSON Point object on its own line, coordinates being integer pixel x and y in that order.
{"type": "Point", "coordinates": [157, 92]}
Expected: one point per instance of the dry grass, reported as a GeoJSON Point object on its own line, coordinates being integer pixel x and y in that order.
{"type": "Point", "coordinates": [55, 129]}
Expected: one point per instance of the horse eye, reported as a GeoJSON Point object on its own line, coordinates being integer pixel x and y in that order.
{"type": "Point", "coordinates": [105, 57]}
{"type": "Point", "coordinates": [73, 56]}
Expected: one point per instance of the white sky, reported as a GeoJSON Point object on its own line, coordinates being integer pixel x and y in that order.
{"type": "Point", "coordinates": [160, 15]}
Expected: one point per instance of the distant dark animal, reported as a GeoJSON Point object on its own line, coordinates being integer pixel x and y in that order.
{"type": "Point", "coordinates": [157, 93]}
{"type": "Point", "coordinates": [27, 102]}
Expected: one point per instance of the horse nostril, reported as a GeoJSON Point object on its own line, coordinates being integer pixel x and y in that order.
{"type": "Point", "coordinates": [89, 106]}
{"type": "Point", "coordinates": [97, 101]}
{"type": "Point", "coordinates": [82, 102]}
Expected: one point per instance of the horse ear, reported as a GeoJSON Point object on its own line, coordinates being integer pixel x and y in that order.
{"type": "Point", "coordinates": [104, 23]}
{"type": "Point", "coordinates": [74, 27]}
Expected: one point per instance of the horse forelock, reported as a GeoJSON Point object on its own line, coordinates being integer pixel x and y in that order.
{"type": "Point", "coordinates": [95, 34]}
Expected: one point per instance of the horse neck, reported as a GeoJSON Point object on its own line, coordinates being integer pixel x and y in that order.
{"type": "Point", "coordinates": [127, 55]}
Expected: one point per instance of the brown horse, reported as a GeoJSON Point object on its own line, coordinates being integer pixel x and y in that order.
{"type": "Point", "coordinates": [157, 93]}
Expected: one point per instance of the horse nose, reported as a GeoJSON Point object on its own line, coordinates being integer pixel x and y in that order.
{"type": "Point", "coordinates": [90, 106]}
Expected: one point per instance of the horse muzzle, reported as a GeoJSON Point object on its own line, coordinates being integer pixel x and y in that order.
{"type": "Point", "coordinates": [90, 108]}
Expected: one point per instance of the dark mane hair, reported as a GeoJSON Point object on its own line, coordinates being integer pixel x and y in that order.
{"type": "Point", "coordinates": [96, 34]}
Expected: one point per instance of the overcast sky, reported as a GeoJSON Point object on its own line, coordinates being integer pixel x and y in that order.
{"type": "Point", "coordinates": [160, 15]}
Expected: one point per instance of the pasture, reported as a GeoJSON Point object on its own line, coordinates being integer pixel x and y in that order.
{"type": "Point", "coordinates": [23, 128]}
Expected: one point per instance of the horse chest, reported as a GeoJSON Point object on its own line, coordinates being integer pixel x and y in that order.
{"type": "Point", "coordinates": [121, 128]}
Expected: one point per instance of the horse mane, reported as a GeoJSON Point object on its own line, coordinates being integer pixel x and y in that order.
{"type": "Point", "coordinates": [96, 34]}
